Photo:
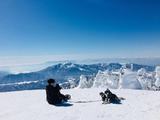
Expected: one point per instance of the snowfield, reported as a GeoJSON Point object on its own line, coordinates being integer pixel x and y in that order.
{"type": "Point", "coordinates": [85, 105]}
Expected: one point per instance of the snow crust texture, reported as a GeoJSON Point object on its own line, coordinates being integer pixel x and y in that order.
{"type": "Point", "coordinates": [85, 105]}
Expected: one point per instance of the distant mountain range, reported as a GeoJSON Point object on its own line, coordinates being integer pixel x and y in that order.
{"type": "Point", "coordinates": [3, 73]}
{"type": "Point", "coordinates": [15, 69]}
{"type": "Point", "coordinates": [62, 72]}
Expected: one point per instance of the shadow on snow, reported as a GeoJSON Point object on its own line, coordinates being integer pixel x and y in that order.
{"type": "Point", "coordinates": [64, 105]}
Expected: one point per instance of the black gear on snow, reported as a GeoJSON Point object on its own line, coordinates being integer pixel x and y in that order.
{"type": "Point", "coordinates": [53, 94]}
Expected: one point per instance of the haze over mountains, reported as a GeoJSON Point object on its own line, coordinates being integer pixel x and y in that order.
{"type": "Point", "coordinates": [15, 69]}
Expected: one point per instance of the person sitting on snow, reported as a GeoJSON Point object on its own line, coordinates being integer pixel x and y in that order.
{"type": "Point", "coordinates": [53, 94]}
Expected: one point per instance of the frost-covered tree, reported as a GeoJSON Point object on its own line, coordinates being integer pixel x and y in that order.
{"type": "Point", "coordinates": [85, 81]}
{"type": "Point", "coordinates": [147, 80]}
{"type": "Point", "coordinates": [106, 79]}
{"type": "Point", "coordinates": [141, 72]}
{"type": "Point", "coordinates": [100, 79]}
{"type": "Point", "coordinates": [157, 83]}
{"type": "Point", "coordinates": [72, 82]}
{"type": "Point", "coordinates": [129, 81]}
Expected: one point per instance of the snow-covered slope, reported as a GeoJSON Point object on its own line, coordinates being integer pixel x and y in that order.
{"type": "Point", "coordinates": [85, 105]}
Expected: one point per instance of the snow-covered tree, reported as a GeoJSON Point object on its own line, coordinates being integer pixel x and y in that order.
{"type": "Point", "coordinates": [129, 81]}
{"type": "Point", "coordinates": [85, 81]}
{"type": "Point", "coordinates": [141, 72]}
{"type": "Point", "coordinates": [106, 79]}
{"type": "Point", "coordinates": [146, 79]}
{"type": "Point", "coordinates": [157, 83]}
{"type": "Point", "coordinates": [72, 82]}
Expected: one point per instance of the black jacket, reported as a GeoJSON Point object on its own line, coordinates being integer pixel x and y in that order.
{"type": "Point", "coordinates": [53, 94]}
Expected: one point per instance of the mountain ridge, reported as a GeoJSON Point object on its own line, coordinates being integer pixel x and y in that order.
{"type": "Point", "coordinates": [62, 72]}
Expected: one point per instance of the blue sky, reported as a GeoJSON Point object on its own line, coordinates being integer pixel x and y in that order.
{"type": "Point", "coordinates": [88, 28]}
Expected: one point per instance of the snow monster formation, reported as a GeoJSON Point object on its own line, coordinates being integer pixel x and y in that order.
{"type": "Point", "coordinates": [123, 79]}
